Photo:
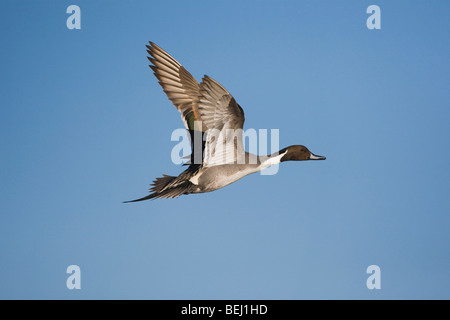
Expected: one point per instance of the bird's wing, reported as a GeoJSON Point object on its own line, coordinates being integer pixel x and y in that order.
{"type": "Point", "coordinates": [181, 88]}
{"type": "Point", "coordinates": [224, 119]}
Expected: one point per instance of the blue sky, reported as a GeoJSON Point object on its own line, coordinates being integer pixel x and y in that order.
{"type": "Point", "coordinates": [84, 126]}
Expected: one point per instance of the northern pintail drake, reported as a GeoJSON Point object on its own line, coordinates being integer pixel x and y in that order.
{"type": "Point", "coordinates": [210, 112]}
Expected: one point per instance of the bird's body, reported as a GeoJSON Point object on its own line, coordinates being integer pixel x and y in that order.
{"type": "Point", "coordinates": [216, 177]}
{"type": "Point", "coordinates": [207, 109]}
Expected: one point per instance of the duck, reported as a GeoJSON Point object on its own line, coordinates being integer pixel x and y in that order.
{"type": "Point", "coordinates": [214, 121]}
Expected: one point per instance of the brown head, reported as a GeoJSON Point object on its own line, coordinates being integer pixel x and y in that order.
{"type": "Point", "coordinates": [298, 153]}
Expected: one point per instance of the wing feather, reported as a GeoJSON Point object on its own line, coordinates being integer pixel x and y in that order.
{"type": "Point", "coordinates": [224, 118]}
{"type": "Point", "coordinates": [179, 85]}
{"type": "Point", "coordinates": [207, 103]}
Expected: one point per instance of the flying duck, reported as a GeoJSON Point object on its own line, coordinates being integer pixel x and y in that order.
{"type": "Point", "coordinates": [215, 123]}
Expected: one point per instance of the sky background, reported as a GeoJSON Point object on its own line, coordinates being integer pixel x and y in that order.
{"type": "Point", "coordinates": [84, 125]}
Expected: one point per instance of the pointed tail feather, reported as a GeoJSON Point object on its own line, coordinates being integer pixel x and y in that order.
{"type": "Point", "coordinates": [150, 196]}
{"type": "Point", "coordinates": [167, 187]}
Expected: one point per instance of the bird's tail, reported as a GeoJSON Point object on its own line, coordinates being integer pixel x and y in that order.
{"type": "Point", "coordinates": [166, 187]}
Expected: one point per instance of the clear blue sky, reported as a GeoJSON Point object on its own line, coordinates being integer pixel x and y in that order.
{"type": "Point", "coordinates": [84, 126]}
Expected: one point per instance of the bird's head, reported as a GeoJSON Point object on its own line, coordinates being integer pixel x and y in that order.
{"type": "Point", "coordinates": [298, 153]}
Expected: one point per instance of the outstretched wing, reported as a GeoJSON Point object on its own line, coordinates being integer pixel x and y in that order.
{"type": "Point", "coordinates": [182, 90]}
{"type": "Point", "coordinates": [224, 119]}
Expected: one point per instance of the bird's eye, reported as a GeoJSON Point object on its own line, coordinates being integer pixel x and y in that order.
{"type": "Point", "coordinates": [302, 150]}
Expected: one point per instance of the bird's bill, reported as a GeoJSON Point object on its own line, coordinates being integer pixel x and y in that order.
{"type": "Point", "coordinates": [316, 157]}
